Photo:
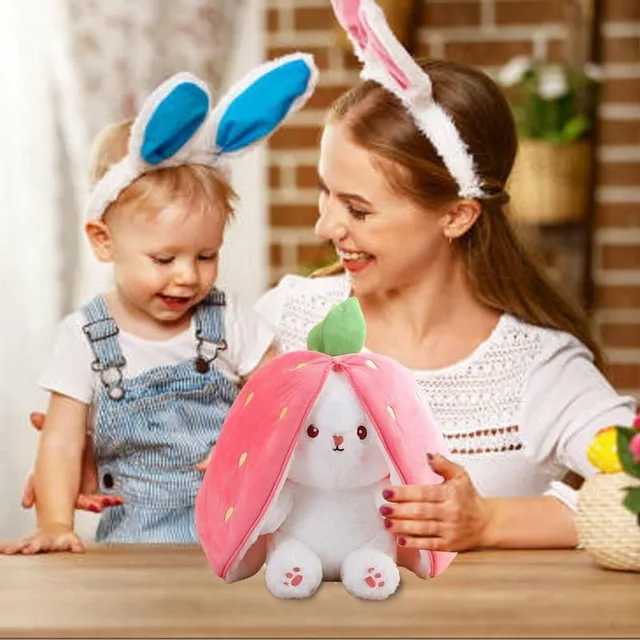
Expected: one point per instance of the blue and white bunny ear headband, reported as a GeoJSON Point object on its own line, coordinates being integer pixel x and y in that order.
{"type": "Point", "coordinates": [178, 125]}
{"type": "Point", "coordinates": [387, 62]}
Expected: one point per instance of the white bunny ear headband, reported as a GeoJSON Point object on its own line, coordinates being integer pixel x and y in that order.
{"type": "Point", "coordinates": [387, 62]}
{"type": "Point", "coordinates": [177, 124]}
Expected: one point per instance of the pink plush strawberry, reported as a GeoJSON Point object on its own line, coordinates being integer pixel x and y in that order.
{"type": "Point", "coordinates": [298, 471]}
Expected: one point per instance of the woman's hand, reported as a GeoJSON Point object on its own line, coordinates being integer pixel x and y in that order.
{"type": "Point", "coordinates": [451, 516]}
{"type": "Point", "coordinates": [54, 537]}
{"type": "Point", "coordinates": [89, 498]}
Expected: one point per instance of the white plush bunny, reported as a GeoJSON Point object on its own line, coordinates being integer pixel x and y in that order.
{"type": "Point", "coordinates": [326, 522]}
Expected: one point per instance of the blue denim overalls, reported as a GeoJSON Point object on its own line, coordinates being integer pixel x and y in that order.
{"type": "Point", "coordinates": [153, 429]}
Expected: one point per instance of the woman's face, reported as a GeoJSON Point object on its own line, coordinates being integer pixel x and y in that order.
{"type": "Point", "coordinates": [383, 239]}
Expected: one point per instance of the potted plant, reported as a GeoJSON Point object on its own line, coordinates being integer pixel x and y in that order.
{"type": "Point", "coordinates": [608, 517]}
{"type": "Point", "coordinates": [553, 106]}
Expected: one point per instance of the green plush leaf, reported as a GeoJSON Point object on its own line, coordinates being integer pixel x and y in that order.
{"type": "Point", "coordinates": [575, 128]}
{"type": "Point", "coordinates": [342, 331]}
{"type": "Point", "coordinates": [632, 499]}
{"type": "Point", "coordinates": [625, 434]}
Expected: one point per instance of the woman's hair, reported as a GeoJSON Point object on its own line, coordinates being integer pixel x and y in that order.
{"type": "Point", "coordinates": [500, 270]}
{"type": "Point", "coordinates": [196, 186]}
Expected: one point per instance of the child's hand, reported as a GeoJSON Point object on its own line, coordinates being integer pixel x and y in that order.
{"type": "Point", "coordinates": [55, 537]}
{"type": "Point", "coordinates": [202, 466]}
{"type": "Point", "coordinates": [89, 498]}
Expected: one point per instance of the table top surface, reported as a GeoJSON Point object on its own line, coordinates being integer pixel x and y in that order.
{"type": "Point", "coordinates": [164, 591]}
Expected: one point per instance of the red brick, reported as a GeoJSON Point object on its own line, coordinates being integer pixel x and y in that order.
{"type": "Point", "coordinates": [458, 14]}
{"type": "Point", "coordinates": [423, 49]}
{"type": "Point", "coordinates": [621, 90]}
{"type": "Point", "coordinates": [534, 12]}
{"type": "Point", "coordinates": [323, 97]}
{"type": "Point", "coordinates": [487, 53]}
{"type": "Point", "coordinates": [620, 132]}
{"type": "Point", "coordinates": [350, 61]}
{"type": "Point", "coordinates": [624, 376]}
{"type": "Point", "coordinates": [621, 10]}
{"type": "Point", "coordinates": [306, 177]}
{"type": "Point", "coordinates": [313, 18]}
{"type": "Point", "coordinates": [617, 297]}
{"type": "Point", "coordinates": [275, 179]}
{"type": "Point", "coordinates": [293, 137]}
{"type": "Point", "coordinates": [275, 255]}
{"type": "Point", "coordinates": [620, 257]}
{"type": "Point", "coordinates": [320, 54]}
{"type": "Point", "coordinates": [619, 174]}
{"type": "Point", "coordinates": [286, 215]}
{"type": "Point", "coordinates": [621, 336]}
{"type": "Point", "coordinates": [618, 215]}
{"type": "Point", "coordinates": [557, 50]}
{"type": "Point", "coordinates": [621, 49]}
{"type": "Point", "coordinates": [273, 22]}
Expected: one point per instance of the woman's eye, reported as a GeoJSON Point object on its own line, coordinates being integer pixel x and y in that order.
{"type": "Point", "coordinates": [362, 432]}
{"type": "Point", "coordinates": [162, 259]}
{"type": "Point", "coordinates": [358, 214]}
{"type": "Point", "coordinates": [312, 432]}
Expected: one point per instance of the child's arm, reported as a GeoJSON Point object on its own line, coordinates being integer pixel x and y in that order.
{"type": "Point", "coordinates": [57, 479]}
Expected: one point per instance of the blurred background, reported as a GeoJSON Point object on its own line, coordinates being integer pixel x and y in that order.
{"type": "Point", "coordinates": [571, 69]}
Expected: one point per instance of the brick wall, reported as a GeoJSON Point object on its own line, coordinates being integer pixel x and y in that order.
{"type": "Point", "coordinates": [485, 33]}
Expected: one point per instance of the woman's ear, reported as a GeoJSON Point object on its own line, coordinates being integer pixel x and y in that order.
{"type": "Point", "coordinates": [100, 239]}
{"type": "Point", "coordinates": [460, 218]}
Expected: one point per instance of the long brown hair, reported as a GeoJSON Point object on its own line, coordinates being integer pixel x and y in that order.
{"type": "Point", "coordinates": [502, 272]}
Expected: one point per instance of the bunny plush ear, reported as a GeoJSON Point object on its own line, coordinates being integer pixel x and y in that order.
{"type": "Point", "coordinates": [387, 62]}
{"type": "Point", "coordinates": [258, 104]}
{"type": "Point", "coordinates": [177, 125]}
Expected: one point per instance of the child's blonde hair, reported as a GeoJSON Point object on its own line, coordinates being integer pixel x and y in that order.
{"type": "Point", "coordinates": [194, 185]}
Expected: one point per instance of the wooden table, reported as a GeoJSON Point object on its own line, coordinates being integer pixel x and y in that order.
{"type": "Point", "coordinates": [146, 591]}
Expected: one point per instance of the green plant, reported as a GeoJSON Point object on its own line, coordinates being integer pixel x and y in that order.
{"type": "Point", "coordinates": [551, 101]}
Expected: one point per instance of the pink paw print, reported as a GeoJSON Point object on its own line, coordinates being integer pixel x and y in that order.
{"type": "Point", "coordinates": [373, 579]}
{"type": "Point", "coordinates": [293, 578]}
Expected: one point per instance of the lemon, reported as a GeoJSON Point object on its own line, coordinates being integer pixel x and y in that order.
{"type": "Point", "coordinates": [603, 451]}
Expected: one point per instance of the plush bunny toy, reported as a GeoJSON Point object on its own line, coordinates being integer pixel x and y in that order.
{"type": "Point", "coordinates": [304, 455]}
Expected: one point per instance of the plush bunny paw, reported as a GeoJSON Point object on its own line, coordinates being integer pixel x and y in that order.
{"type": "Point", "coordinates": [299, 579]}
{"type": "Point", "coordinates": [370, 574]}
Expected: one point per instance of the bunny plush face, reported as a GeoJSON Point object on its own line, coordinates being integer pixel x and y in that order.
{"type": "Point", "coordinates": [338, 447]}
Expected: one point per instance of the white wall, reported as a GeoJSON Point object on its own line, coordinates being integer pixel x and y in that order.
{"type": "Point", "coordinates": [245, 255]}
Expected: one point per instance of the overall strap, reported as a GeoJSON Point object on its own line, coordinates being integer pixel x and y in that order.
{"type": "Point", "coordinates": [209, 321]}
{"type": "Point", "coordinates": [102, 332]}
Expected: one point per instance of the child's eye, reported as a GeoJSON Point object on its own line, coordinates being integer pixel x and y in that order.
{"type": "Point", "coordinates": [162, 259]}
{"type": "Point", "coordinates": [208, 258]}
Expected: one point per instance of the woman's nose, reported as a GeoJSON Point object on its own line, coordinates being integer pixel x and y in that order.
{"type": "Point", "coordinates": [330, 226]}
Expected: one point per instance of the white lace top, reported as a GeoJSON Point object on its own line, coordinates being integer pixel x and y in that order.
{"type": "Point", "coordinates": [517, 413]}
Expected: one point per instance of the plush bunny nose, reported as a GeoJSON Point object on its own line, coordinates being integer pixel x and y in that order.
{"type": "Point", "coordinates": [338, 440]}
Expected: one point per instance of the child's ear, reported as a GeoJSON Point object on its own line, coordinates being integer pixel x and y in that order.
{"type": "Point", "coordinates": [460, 218]}
{"type": "Point", "coordinates": [100, 239]}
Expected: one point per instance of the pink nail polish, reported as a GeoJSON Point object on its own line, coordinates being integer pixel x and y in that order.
{"type": "Point", "coordinates": [402, 541]}
{"type": "Point", "coordinates": [387, 494]}
{"type": "Point", "coordinates": [388, 524]}
{"type": "Point", "coordinates": [386, 511]}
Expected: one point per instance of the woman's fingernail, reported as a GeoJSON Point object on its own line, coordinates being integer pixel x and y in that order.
{"type": "Point", "coordinates": [387, 494]}
{"type": "Point", "coordinates": [92, 507]}
{"type": "Point", "coordinates": [388, 524]}
{"type": "Point", "coordinates": [386, 511]}
{"type": "Point", "coordinates": [402, 541]}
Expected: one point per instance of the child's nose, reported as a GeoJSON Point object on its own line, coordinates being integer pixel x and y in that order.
{"type": "Point", "coordinates": [338, 440]}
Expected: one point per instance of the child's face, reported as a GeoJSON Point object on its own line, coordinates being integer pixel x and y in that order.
{"type": "Point", "coordinates": [384, 240]}
{"type": "Point", "coordinates": [165, 263]}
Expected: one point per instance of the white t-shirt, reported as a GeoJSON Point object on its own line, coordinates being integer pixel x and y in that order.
{"type": "Point", "coordinates": [517, 413]}
{"type": "Point", "coordinates": [69, 369]}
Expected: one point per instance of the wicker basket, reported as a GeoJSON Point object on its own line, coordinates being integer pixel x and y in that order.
{"type": "Point", "coordinates": [550, 183]}
{"type": "Point", "coordinates": [606, 529]}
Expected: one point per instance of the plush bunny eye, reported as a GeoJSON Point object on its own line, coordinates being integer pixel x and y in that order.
{"type": "Point", "coordinates": [312, 432]}
{"type": "Point", "coordinates": [362, 432]}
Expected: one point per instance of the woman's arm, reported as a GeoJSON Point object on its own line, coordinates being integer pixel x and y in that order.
{"type": "Point", "coordinates": [540, 522]}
